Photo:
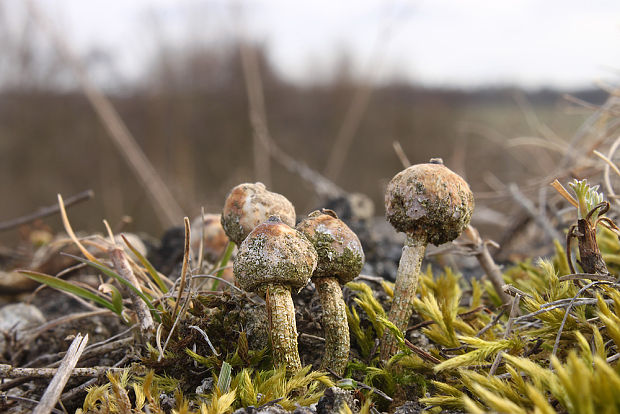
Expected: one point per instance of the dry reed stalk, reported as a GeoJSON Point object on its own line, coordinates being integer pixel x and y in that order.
{"type": "Point", "coordinates": [167, 209]}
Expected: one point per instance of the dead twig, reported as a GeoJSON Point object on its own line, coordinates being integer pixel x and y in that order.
{"type": "Point", "coordinates": [8, 371]}
{"type": "Point", "coordinates": [491, 324]}
{"type": "Point", "coordinates": [481, 250]}
{"type": "Point", "coordinates": [67, 396]}
{"type": "Point", "coordinates": [122, 266]}
{"type": "Point", "coordinates": [533, 212]}
{"type": "Point", "coordinates": [513, 313]}
{"type": "Point", "coordinates": [422, 353]}
{"type": "Point", "coordinates": [556, 344]}
{"type": "Point", "coordinates": [46, 211]}
{"type": "Point", "coordinates": [611, 194]}
{"type": "Point", "coordinates": [54, 390]}
{"type": "Point", "coordinates": [26, 400]}
{"type": "Point", "coordinates": [400, 153]}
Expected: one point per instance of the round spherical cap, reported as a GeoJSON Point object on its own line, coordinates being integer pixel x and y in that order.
{"type": "Point", "coordinates": [339, 249]}
{"type": "Point", "coordinates": [429, 198]}
{"type": "Point", "coordinates": [248, 205]}
{"type": "Point", "coordinates": [274, 253]}
{"type": "Point", "coordinates": [215, 239]}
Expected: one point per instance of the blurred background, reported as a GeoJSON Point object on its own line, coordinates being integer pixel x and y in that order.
{"type": "Point", "coordinates": [297, 95]}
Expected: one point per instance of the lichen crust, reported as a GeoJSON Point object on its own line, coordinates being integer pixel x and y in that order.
{"type": "Point", "coordinates": [340, 252]}
{"type": "Point", "coordinates": [277, 254]}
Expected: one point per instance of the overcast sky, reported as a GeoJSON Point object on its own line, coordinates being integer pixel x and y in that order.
{"type": "Point", "coordinates": [560, 43]}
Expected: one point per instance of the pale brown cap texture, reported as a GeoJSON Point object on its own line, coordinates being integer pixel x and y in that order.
{"type": "Point", "coordinates": [248, 205]}
{"type": "Point", "coordinates": [339, 249]}
{"type": "Point", "coordinates": [429, 198]}
{"type": "Point", "coordinates": [274, 253]}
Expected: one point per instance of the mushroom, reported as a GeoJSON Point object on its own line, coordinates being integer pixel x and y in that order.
{"type": "Point", "coordinates": [248, 205]}
{"type": "Point", "coordinates": [340, 260]}
{"type": "Point", "coordinates": [215, 239]}
{"type": "Point", "coordinates": [430, 204]}
{"type": "Point", "coordinates": [273, 260]}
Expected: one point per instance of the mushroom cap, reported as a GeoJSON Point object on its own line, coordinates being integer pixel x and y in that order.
{"type": "Point", "coordinates": [274, 253]}
{"type": "Point", "coordinates": [215, 239]}
{"type": "Point", "coordinates": [248, 205]}
{"type": "Point", "coordinates": [429, 198]}
{"type": "Point", "coordinates": [340, 252]}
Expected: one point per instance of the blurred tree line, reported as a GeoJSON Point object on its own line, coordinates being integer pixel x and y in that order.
{"type": "Point", "coordinates": [189, 113]}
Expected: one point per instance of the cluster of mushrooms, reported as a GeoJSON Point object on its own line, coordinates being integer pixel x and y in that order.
{"type": "Point", "coordinates": [428, 202]}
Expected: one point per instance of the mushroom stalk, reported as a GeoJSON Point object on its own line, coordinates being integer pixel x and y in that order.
{"type": "Point", "coordinates": [335, 326]}
{"type": "Point", "coordinates": [404, 290]}
{"type": "Point", "coordinates": [340, 260]}
{"type": "Point", "coordinates": [282, 329]}
{"type": "Point", "coordinates": [430, 204]}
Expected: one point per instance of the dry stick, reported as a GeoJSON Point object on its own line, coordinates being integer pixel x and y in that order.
{"type": "Point", "coordinates": [531, 210]}
{"type": "Point", "coordinates": [46, 211]}
{"type": "Point", "coordinates": [28, 401]}
{"type": "Point", "coordinates": [556, 305]}
{"type": "Point", "coordinates": [168, 210]}
{"type": "Point", "coordinates": [99, 348]}
{"type": "Point", "coordinates": [513, 313]}
{"type": "Point", "coordinates": [35, 332]}
{"type": "Point", "coordinates": [54, 389]}
{"type": "Point", "coordinates": [585, 128]}
{"type": "Point", "coordinates": [491, 324]}
{"type": "Point", "coordinates": [8, 371]}
{"type": "Point", "coordinates": [491, 269]}
{"type": "Point", "coordinates": [556, 344]}
{"type": "Point", "coordinates": [145, 320]}
{"type": "Point", "coordinates": [400, 153]}
{"type": "Point", "coordinates": [422, 353]}
{"type": "Point", "coordinates": [610, 191]}
{"type": "Point", "coordinates": [69, 395]}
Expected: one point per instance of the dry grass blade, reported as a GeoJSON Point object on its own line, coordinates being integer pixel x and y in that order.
{"type": "Point", "coordinates": [184, 268]}
{"type": "Point", "coordinates": [564, 193]}
{"type": "Point", "coordinates": [69, 230]}
{"type": "Point", "coordinates": [400, 153]}
{"type": "Point", "coordinates": [54, 389]}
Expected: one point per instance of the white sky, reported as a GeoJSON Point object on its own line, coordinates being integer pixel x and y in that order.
{"type": "Point", "coordinates": [561, 43]}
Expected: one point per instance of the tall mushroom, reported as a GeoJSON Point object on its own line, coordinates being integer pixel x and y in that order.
{"type": "Point", "coordinates": [273, 260]}
{"type": "Point", "coordinates": [340, 260]}
{"type": "Point", "coordinates": [248, 205]}
{"type": "Point", "coordinates": [430, 204]}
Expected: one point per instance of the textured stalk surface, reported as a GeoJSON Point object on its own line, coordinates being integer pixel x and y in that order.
{"type": "Point", "coordinates": [335, 324]}
{"type": "Point", "coordinates": [283, 330]}
{"type": "Point", "coordinates": [404, 291]}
